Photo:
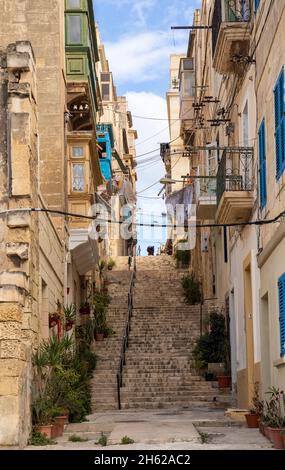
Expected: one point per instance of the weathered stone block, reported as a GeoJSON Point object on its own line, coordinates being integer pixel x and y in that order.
{"type": "Point", "coordinates": [21, 250]}
{"type": "Point", "coordinates": [16, 278]}
{"type": "Point", "coordinates": [9, 330]}
{"type": "Point", "coordinates": [12, 294]}
{"type": "Point", "coordinates": [10, 367]}
{"type": "Point", "coordinates": [10, 312]}
{"type": "Point", "coordinates": [9, 386]}
{"type": "Point", "coordinates": [9, 420]}
{"type": "Point", "coordinates": [19, 219]}
{"type": "Point", "coordinates": [12, 349]}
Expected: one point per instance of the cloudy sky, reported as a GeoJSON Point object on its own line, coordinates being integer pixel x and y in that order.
{"type": "Point", "coordinates": [138, 42]}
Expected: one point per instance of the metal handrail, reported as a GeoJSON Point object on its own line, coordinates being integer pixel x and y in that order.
{"type": "Point", "coordinates": [125, 342]}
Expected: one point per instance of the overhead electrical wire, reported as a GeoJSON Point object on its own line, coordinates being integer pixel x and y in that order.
{"type": "Point", "coordinates": [278, 218]}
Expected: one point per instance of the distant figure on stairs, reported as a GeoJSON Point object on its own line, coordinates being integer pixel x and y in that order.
{"type": "Point", "coordinates": [150, 250]}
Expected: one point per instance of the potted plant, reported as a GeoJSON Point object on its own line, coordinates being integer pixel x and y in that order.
{"type": "Point", "coordinates": [183, 257]}
{"type": "Point", "coordinates": [111, 264]}
{"type": "Point", "coordinates": [69, 316]}
{"type": "Point", "coordinates": [53, 319]}
{"type": "Point", "coordinates": [192, 289]}
{"type": "Point", "coordinates": [211, 347]}
{"type": "Point", "coordinates": [274, 417]}
{"type": "Point", "coordinates": [100, 321]}
{"type": "Point", "coordinates": [255, 412]}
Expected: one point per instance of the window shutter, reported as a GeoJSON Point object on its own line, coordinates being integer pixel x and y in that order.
{"type": "Point", "coordinates": [279, 106]}
{"type": "Point", "coordinates": [256, 5]}
{"type": "Point", "coordinates": [281, 292]}
{"type": "Point", "coordinates": [262, 165]}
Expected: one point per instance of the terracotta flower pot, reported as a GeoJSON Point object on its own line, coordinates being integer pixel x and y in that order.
{"type": "Point", "coordinates": [266, 432]}
{"type": "Point", "coordinates": [46, 430]}
{"type": "Point", "coordinates": [261, 428]}
{"type": "Point", "coordinates": [276, 438]}
{"type": "Point", "coordinates": [252, 420]}
{"type": "Point", "coordinates": [55, 431]}
{"type": "Point", "coordinates": [99, 336]}
{"type": "Point", "coordinates": [60, 422]}
{"type": "Point", "coordinates": [224, 381]}
{"type": "Point", "coordinates": [68, 326]}
{"type": "Point", "coordinates": [283, 440]}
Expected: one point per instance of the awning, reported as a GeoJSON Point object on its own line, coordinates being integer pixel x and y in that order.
{"type": "Point", "coordinates": [84, 250]}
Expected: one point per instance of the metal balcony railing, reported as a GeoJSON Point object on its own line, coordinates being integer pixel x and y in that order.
{"type": "Point", "coordinates": [229, 11]}
{"type": "Point", "coordinates": [235, 172]}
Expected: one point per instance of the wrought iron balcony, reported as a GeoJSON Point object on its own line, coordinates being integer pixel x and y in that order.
{"type": "Point", "coordinates": [235, 185]}
{"type": "Point", "coordinates": [231, 35]}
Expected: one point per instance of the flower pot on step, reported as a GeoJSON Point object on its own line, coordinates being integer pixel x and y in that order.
{"type": "Point", "coordinates": [55, 431]}
{"type": "Point", "coordinates": [60, 422]}
{"type": "Point", "coordinates": [266, 432]}
{"type": "Point", "coordinates": [276, 438]}
{"type": "Point", "coordinates": [224, 381]}
{"type": "Point", "coordinates": [283, 440]}
{"type": "Point", "coordinates": [261, 428]}
{"type": "Point", "coordinates": [46, 430]}
{"type": "Point", "coordinates": [252, 420]}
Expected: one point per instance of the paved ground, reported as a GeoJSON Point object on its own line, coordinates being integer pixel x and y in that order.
{"type": "Point", "coordinates": [163, 429]}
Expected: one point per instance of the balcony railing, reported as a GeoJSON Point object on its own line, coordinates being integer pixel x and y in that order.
{"type": "Point", "coordinates": [235, 171]}
{"type": "Point", "coordinates": [229, 11]}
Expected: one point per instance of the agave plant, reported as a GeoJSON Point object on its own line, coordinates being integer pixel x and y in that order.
{"type": "Point", "coordinates": [69, 316]}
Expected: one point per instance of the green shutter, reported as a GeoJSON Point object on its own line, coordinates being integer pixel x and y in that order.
{"type": "Point", "coordinates": [279, 105]}
{"type": "Point", "coordinates": [262, 165]}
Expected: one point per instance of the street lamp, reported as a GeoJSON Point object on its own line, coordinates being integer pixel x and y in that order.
{"type": "Point", "coordinates": [165, 181]}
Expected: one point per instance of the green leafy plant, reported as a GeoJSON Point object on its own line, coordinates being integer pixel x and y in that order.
{"type": "Point", "coordinates": [69, 316]}
{"type": "Point", "coordinates": [183, 257]}
{"type": "Point", "coordinates": [257, 406]}
{"type": "Point", "coordinates": [211, 347]}
{"type": "Point", "coordinates": [103, 440]}
{"type": "Point", "coordinates": [75, 438]}
{"type": "Point", "coordinates": [273, 414]}
{"type": "Point", "coordinates": [192, 289]}
{"type": "Point", "coordinates": [126, 440]}
{"type": "Point", "coordinates": [205, 437]}
{"type": "Point", "coordinates": [111, 263]}
{"type": "Point", "coordinates": [38, 439]}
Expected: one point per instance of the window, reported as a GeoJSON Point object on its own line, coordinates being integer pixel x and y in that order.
{"type": "Point", "coordinates": [281, 295]}
{"type": "Point", "coordinates": [78, 180]}
{"type": "Point", "coordinates": [279, 106]}
{"type": "Point", "coordinates": [102, 150]}
{"type": "Point", "coordinates": [245, 125]}
{"type": "Point", "coordinates": [73, 4]}
{"type": "Point", "coordinates": [105, 77]}
{"type": "Point", "coordinates": [256, 5]}
{"type": "Point", "coordinates": [105, 92]}
{"type": "Point", "coordinates": [188, 64]}
{"type": "Point", "coordinates": [262, 165]}
{"type": "Point", "coordinates": [77, 152]}
{"type": "Point", "coordinates": [74, 29]}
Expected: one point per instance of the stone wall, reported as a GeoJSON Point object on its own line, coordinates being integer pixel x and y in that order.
{"type": "Point", "coordinates": [19, 240]}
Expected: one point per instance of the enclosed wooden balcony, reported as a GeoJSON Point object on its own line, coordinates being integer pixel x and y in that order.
{"type": "Point", "coordinates": [206, 197]}
{"type": "Point", "coordinates": [231, 35]}
{"type": "Point", "coordinates": [235, 198]}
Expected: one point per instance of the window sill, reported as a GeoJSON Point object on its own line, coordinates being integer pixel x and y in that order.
{"type": "Point", "coordinates": [279, 362]}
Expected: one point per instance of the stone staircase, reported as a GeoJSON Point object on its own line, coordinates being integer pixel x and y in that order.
{"type": "Point", "coordinates": [159, 369]}
{"type": "Point", "coordinates": [104, 382]}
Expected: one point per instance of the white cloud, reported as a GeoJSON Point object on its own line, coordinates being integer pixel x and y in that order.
{"type": "Point", "coordinates": [137, 10]}
{"type": "Point", "coordinates": [150, 133]}
{"type": "Point", "coordinates": [141, 57]}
